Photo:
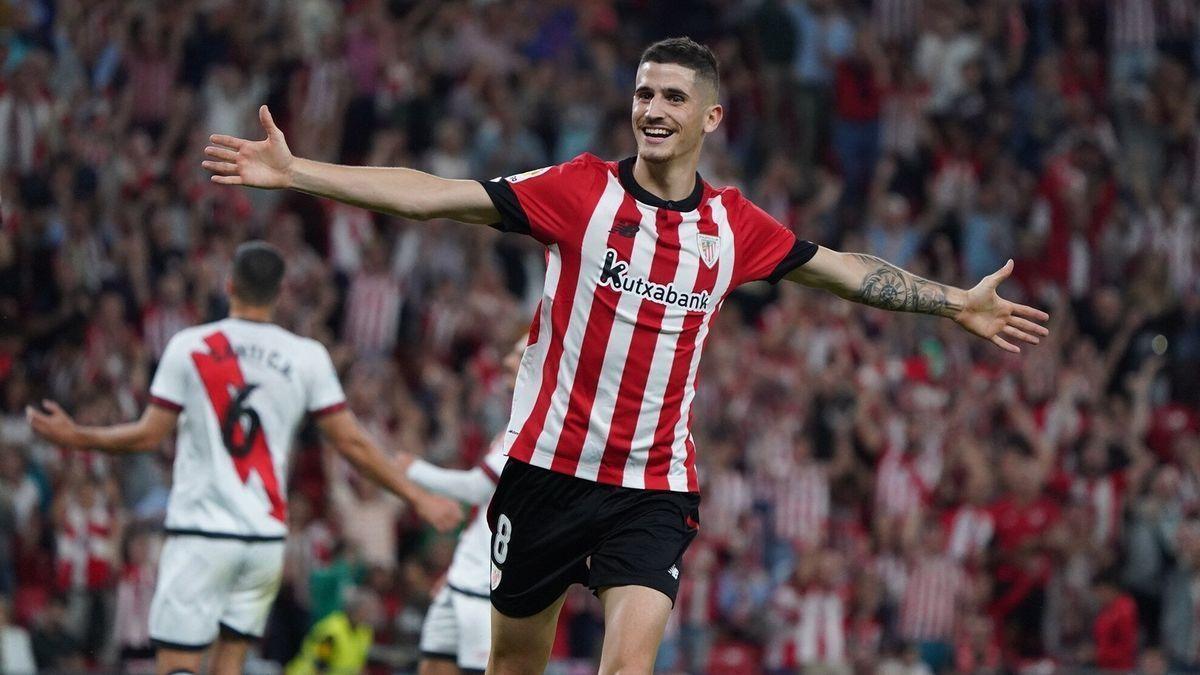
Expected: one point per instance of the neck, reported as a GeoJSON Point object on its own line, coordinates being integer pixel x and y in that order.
{"type": "Point", "coordinates": [672, 181]}
{"type": "Point", "coordinates": [238, 310]}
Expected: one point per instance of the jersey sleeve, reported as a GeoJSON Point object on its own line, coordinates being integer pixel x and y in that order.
{"type": "Point", "coordinates": [169, 386]}
{"type": "Point", "coordinates": [549, 204]}
{"type": "Point", "coordinates": [325, 393]}
{"type": "Point", "coordinates": [764, 248]}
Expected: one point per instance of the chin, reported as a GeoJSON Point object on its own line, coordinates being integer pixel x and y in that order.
{"type": "Point", "coordinates": [655, 155]}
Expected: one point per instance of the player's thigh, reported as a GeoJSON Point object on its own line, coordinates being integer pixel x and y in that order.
{"type": "Point", "coordinates": [439, 633]}
{"type": "Point", "coordinates": [177, 661]}
{"type": "Point", "coordinates": [474, 617]}
{"type": "Point", "coordinates": [253, 591]}
{"type": "Point", "coordinates": [521, 645]}
{"type": "Point", "coordinates": [229, 654]}
{"type": "Point", "coordinates": [437, 666]}
{"type": "Point", "coordinates": [634, 620]}
{"type": "Point", "coordinates": [194, 578]}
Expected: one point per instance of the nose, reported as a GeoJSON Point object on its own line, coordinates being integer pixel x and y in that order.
{"type": "Point", "coordinates": [652, 109]}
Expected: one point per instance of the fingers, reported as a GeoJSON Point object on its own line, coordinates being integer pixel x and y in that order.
{"type": "Point", "coordinates": [1005, 345]}
{"type": "Point", "coordinates": [226, 180]}
{"type": "Point", "coordinates": [1028, 326]}
{"type": "Point", "coordinates": [1018, 334]}
{"type": "Point", "coordinates": [1030, 312]}
{"type": "Point", "coordinates": [268, 122]}
{"type": "Point", "coordinates": [54, 408]}
{"type": "Point", "coordinates": [1001, 274]}
{"type": "Point", "coordinates": [221, 168]}
{"type": "Point", "coordinates": [228, 141]}
{"type": "Point", "coordinates": [219, 153]}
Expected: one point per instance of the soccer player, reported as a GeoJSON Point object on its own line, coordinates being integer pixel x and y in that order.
{"type": "Point", "coordinates": [457, 635]}
{"type": "Point", "coordinates": [236, 391]}
{"type": "Point", "coordinates": [600, 487]}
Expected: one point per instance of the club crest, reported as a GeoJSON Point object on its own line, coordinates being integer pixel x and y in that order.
{"type": "Point", "coordinates": [709, 247]}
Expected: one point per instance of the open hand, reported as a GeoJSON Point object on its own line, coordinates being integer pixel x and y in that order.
{"type": "Point", "coordinates": [55, 426]}
{"type": "Point", "coordinates": [993, 318]}
{"type": "Point", "coordinates": [261, 164]}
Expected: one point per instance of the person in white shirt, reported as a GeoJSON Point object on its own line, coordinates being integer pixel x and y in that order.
{"type": "Point", "coordinates": [457, 634]}
{"type": "Point", "coordinates": [235, 392]}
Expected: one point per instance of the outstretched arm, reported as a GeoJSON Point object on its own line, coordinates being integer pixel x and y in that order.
{"type": "Point", "coordinates": [872, 281]}
{"type": "Point", "coordinates": [404, 192]}
{"type": "Point", "coordinates": [346, 436]}
{"type": "Point", "coordinates": [474, 486]}
{"type": "Point", "coordinates": [145, 434]}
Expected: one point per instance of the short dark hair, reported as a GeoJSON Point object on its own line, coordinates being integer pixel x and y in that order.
{"type": "Point", "coordinates": [687, 53]}
{"type": "Point", "coordinates": [257, 273]}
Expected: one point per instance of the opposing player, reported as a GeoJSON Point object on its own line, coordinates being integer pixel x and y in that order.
{"type": "Point", "coordinates": [600, 487]}
{"type": "Point", "coordinates": [457, 635]}
{"type": "Point", "coordinates": [236, 391]}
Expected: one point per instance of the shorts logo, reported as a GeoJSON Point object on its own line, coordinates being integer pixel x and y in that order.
{"type": "Point", "coordinates": [613, 275]}
{"type": "Point", "coordinates": [495, 576]}
{"type": "Point", "coordinates": [709, 247]}
{"type": "Point", "coordinates": [674, 572]}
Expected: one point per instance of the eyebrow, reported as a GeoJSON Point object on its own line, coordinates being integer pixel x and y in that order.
{"type": "Point", "coordinates": [668, 91]}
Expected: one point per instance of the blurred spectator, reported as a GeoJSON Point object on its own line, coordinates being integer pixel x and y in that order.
{"type": "Point", "coordinates": [339, 643]}
{"type": "Point", "coordinates": [16, 656]}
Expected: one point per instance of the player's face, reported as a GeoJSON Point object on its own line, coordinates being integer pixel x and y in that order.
{"type": "Point", "coordinates": [672, 110]}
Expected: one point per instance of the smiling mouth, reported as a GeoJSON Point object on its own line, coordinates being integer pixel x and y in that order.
{"type": "Point", "coordinates": [655, 134]}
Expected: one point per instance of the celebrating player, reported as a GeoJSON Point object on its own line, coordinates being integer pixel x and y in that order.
{"type": "Point", "coordinates": [236, 391]}
{"type": "Point", "coordinates": [600, 487]}
{"type": "Point", "coordinates": [457, 635]}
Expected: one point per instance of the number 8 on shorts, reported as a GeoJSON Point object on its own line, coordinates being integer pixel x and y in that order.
{"type": "Point", "coordinates": [500, 540]}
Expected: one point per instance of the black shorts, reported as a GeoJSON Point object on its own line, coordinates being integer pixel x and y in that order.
{"type": "Point", "coordinates": [551, 530]}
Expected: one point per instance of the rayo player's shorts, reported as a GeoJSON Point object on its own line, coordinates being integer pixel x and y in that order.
{"type": "Point", "coordinates": [458, 628]}
{"type": "Point", "coordinates": [210, 583]}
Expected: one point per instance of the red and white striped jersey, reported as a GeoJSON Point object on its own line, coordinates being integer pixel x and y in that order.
{"type": "Point", "coordinates": [931, 596]}
{"type": "Point", "coordinates": [904, 481]}
{"type": "Point", "coordinates": [801, 501]}
{"type": "Point", "coordinates": [633, 283]}
{"type": "Point", "coordinates": [1104, 498]}
{"type": "Point", "coordinates": [969, 531]}
{"type": "Point", "coordinates": [809, 628]}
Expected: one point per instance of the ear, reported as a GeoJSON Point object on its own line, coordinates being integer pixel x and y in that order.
{"type": "Point", "coordinates": [229, 286]}
{"type": "Point", "coordinates": [713, 120]}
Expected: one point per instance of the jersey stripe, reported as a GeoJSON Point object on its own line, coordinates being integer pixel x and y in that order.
{"type": "Point", "coordinates": [686, 451]}
{"type": "Point", "coordinates": [531, 396]}
{"type": "Point", "coordinates": [670, 414]}
{"type": "Point", "coordinates": [539, 434]}
{"type": "Point", "coordinates": [644, 345]}
{"type": "Point", "coordinates": [587, 419]}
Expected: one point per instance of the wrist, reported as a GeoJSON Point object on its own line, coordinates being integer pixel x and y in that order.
{"type": "Point", "coordinates": [956, 301]}
{"type": "Point", "coordinates": [297, 173]}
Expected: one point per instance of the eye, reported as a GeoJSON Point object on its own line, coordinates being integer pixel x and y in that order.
{"type": "Point", "coordinates": [675, 98]}
{"type": "Point", "coordinates": [644, 96]}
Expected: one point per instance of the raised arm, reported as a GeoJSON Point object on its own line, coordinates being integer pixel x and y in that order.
{"type": "Point", "coordinates": [346, 436]}
{"type": "Point", "coordinates": [872, 281]}
{"type": "Point", "coordinates": [145, 434]}
{"type": "Point", "coordinates": [404, 192]}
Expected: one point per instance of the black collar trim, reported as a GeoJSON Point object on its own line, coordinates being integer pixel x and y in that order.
{"type": "Point", "coordinates": [625, 175]}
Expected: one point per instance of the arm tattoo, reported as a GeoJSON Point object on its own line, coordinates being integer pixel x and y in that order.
{"type": "Point", "coordinates": [888, 287]}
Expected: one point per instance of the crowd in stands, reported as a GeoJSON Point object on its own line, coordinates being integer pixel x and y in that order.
{"type": "Point", "coordinates": [881, 492]}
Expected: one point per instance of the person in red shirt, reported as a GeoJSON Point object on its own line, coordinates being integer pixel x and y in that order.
{"type": "Point", "coordinates": [1115, 628]}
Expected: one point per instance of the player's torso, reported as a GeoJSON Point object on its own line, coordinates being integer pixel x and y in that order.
{"type": "Point", "coordinates": [245, 401]}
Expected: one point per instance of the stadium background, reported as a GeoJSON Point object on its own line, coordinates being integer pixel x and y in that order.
{"type": "Point", "coordinates": [873, 483]}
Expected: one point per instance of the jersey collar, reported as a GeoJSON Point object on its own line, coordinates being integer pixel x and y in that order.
{"type": "Point", "coordinates": [625, 175]}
